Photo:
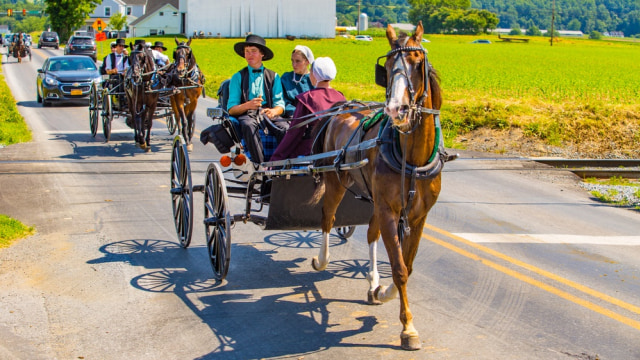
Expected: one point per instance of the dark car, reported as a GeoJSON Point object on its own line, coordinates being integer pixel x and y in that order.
{"type": "Point", "coordinates": [66, 78]}
{"type": "Point", "coordinates": [49, 38]}
{"type": "Point", "coordinates": [81, 45]}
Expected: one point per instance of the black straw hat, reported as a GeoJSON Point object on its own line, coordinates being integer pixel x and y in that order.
{"type": "Point", "coordinates": [122, 42]}
{"type": "Point", "coordinates": [257, 41]}
{"type": "Point", "coordinates": [159, 44]}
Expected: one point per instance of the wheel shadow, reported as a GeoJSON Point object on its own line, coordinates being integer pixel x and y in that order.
{"type": "Point", "coordinates": [266, 307]}
{"type": "Point", "coordinates": [84, 146]}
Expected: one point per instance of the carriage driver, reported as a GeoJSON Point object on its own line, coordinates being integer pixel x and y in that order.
{"type": "Point", "coordinates": [117, 62]}
{"type": "Point", "coordinates": [256, 90]}
{"type": "Point", "coordinates": [158, 50]}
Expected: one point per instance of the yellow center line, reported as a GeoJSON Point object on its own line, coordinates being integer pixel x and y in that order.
{"type": "Point", "coordinates": [563, 294]}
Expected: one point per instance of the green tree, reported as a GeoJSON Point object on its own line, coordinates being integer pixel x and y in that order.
{"type": "Point", "coordinates": [574, 24]}
{"type": "Point", "coordinates": [117, 21]}
{"type": "Point", "coordinates": [595, 35]}
{"type": "Point", "coordinates": [450, 16]}
{"type": "Point", "coordinates": [534, 31]}
{"type": "Point", "coordinates": [68, 15]}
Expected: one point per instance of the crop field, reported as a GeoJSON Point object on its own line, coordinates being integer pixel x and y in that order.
{"type": "Point", "coordinates": [571, 70]}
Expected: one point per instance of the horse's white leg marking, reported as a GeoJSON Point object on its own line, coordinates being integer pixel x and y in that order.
{"type": "Point", "coordinates": [321, 261]}
{"type": "Point", "coordinates": [386, 293]}
{"type": "Point", "coordinates": [373, 277]}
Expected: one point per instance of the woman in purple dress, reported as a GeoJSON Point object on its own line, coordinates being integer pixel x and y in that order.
{"type": "Point", "coordinates": [298, 141]}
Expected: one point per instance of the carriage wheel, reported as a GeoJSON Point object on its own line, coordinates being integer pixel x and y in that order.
{"type": "Point", "coordinates": [93, 110]}
{"type": "Point", "coordinates": [217, 221]}
{"type": "Point", "coordinates": [345, 232]}
{"type": "Point", "coordinates": [107, 116]}
{"type": "Point", "coordinates": [171, 121]}
{"type": "Point", "coordinates": [181, 192]}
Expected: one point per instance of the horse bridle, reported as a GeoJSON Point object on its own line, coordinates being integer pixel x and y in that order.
{"type": "Point", "coordinates": [382, 79]}
{"type": "Point", "coordinates": [187, 59]}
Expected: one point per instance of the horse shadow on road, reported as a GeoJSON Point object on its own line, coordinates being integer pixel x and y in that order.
{"type": "Point", "coordinates": [267, 309]}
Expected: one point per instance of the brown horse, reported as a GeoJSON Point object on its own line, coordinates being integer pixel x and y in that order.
{"type": "Point", "coordinates": [140, 79]}
{"type": "Point", "coordinates": [402, 177]}
{"type": "Point", "coordinates": [19, 48]}
{"type": "Point", "coordinates": [184, 102]}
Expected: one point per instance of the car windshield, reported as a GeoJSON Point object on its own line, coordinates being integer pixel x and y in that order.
{"type": "Point", "coordinates": [72, 64]}
{"type": "Point", "coordinates": [82, 41]}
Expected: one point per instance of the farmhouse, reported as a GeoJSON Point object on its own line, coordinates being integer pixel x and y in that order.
{"type": "Point", "coordinates": [161, 17]}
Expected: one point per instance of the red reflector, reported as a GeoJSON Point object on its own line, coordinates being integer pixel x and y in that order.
{"type": "Point", "coordinates": [240, 159]}
{"type": "Point", "coordinates": [225, 161]}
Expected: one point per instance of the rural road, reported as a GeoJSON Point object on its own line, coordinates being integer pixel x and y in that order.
{"type": "Point", "coordinates": [516, 262]}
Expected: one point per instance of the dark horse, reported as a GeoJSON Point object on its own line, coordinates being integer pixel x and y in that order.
{"type": "Point", "coordinates": [402, 176]}
{"type": "Point", "coordinates": [19, 48]}
{"type": "Point", "coordinates": [184, 102]}
{"type": "Point", "coordinates": [140, 79]}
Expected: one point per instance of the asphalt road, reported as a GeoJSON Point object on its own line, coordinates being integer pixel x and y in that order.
{"type": "Point", "coordinates": [516, 262]}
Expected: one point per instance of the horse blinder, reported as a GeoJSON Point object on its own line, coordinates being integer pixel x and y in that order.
{"type": "Point", "coordinates": [381, 73]}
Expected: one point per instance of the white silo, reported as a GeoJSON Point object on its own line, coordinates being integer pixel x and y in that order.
{"type": "Point", "coordinates": [363, 22]}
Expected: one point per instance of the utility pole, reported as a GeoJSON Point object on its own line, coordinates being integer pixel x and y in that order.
{"type": "Point", "coordinates": [553, 19]}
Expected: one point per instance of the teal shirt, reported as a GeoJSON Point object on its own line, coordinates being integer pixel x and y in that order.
{"type": "Point", "coordinates": [256, 81]}
{"type": "Point", "coordinates": [292, 86]}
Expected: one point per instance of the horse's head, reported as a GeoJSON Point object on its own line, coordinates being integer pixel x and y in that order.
{"type": "Point", "coordinates": [140, 61]}
{"type": "Point", "coordinates": [405, 76]}
{"type": "Point", "coordinates": [183, 57]}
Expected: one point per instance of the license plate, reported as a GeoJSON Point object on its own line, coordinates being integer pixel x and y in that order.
{"type": "Point", "coordinates": [76, 92]}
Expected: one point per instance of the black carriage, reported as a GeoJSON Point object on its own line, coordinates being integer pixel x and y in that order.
{"type": "Point", "coordinates": [108, 100]}
{"type": "Point", "coordinates": [276, 194]}
{"type": "Point", "coordinates": [17, 51]}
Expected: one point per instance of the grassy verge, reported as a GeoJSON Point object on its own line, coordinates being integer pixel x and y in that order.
{"type": "Point", "coordinates": [13, 130]}
{"type": "Point", "coordinates": [11, 230]}
{"type": "Point", "coordinates": [616, 191]}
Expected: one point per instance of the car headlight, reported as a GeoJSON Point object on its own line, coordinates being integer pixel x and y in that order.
{"type": "Point", "coordinates": [98, 80]}
{"type": "Point", "coordinates": [50, 81]}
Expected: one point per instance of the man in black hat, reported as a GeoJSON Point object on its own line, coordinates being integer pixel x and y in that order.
{"type": "Point", "coordinates": [255, 92]}
{"type": "Point", "coordinates": [117, 62]}
{"type": "Point", "coordinates": [158, 55]}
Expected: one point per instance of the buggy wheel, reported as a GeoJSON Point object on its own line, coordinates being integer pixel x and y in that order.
{"type": "Point", "coordinates": [181, 192]}
{"type": "Point", "coordinates": [217, 221]}
{"type": "Point", "coordinates": [93, 110]}
{"type": "Point", "coordinates": [345, 232]}
{"type": "Point", "coordinates": [107, 116]}
{"type": "Point", "coordinates": [171, 121]}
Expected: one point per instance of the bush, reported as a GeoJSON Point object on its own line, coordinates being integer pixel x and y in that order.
{"type": "Point", "coordinates": [595, 35]}
{"type": "Point", "coordinates": [515, 32]}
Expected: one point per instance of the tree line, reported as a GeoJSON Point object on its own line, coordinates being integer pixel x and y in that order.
{"type": "Point", "coordinates": [475, 16]}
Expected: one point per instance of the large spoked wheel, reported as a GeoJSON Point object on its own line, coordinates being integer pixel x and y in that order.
{"type": "Point", "coordinates": [93, 110]}
{"type": "Point", "coordinates": [345, 232]}
{"type": "Point", "coordinates": [217, 221]}
{"type": "Point", "coordinates": [107, 116]}
{"type": "Point", "coordinates": [171, 121]}
{"type": "Point", "coordinates": [181, 192]}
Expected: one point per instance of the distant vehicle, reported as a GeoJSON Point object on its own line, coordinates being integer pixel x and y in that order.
{"type": "Point", "coordinates": [426, 40]}
{"type": "Point", "coordinates": [481, 41]}
{"type": "Point", "coordinates": [82, 33]}
{"type": "Point", "coordinates": [49, 38]}
{"type": "Point", "coordinates": [81, 45]}
{"type": "Point", "coordinates": [66, 78]}
{"type": "Point", "coordinates": [364, 38]}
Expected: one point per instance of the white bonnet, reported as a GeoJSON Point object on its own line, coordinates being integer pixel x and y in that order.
{"type": "Point", "coordinates": [306, 51]}
{"type": "Point", "coordinates": [324, 69]}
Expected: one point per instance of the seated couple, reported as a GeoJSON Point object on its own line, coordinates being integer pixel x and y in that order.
{"type": "Point", "coordinates": [256, 92]}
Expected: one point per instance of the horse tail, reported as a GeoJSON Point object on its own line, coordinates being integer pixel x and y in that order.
{"type": "Point", "coordinates": [318, 193]}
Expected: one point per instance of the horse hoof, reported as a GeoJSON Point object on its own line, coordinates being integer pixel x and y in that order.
{"type": "Point", "coordinates": [190, 147]}
{"type": "Point", "coordinates": [315, 264]}
{"type": "Point", "coordinates": [410, 342]}
{"type": "Point", "coordinates": [372, 299]}
{"type": "Point", "coordinates": [147, 149]}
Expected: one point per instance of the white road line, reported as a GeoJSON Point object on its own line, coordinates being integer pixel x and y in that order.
{"type": "Point", "coordinates": [550, 239]}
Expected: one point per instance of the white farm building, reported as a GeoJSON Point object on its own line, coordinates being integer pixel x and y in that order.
{"type": "Point", "coordinates": [267, 18]}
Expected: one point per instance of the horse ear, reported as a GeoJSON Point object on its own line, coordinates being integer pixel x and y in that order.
{"type": "Point", "coordinates": [419, 32]}
{"type": "Point", "coordinates": [391, 36]}
{"type": "Point", "coordinates": [189, 42]}
{"type": "Point", "coordinates": [177, 42]}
